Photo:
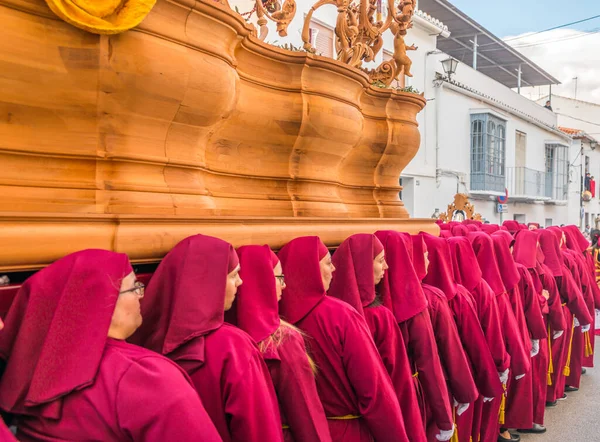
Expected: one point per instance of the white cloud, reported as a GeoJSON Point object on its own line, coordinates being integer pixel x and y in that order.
{"type": "Point", "coordinates": [568, 54]}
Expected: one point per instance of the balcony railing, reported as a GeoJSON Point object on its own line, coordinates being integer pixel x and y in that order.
{"type": "Point", "coordinates": [523, 182]}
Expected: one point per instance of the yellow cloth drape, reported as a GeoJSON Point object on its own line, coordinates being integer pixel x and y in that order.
{"type": "Point", "coordinates": [550, 364]}
{"type": "Point", "coordinates": [102, 16]}
{"type": "Point", "coordinates": [567, 368]}
{"type": "Point", "coordinates": [589, 350]}
{"type": "Point", "coordinates": [343, 418]}
{"type": "Point", "coordinates": [416, 374]}
{"type": "Point", "coordinates": [502, 406]}
{"type": "Point", "coordinates": [454, 437]}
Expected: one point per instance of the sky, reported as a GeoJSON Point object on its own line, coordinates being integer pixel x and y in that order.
{"type": "Point", "coordinates": [564, 53]}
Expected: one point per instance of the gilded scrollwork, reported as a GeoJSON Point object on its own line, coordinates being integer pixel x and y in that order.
{"type": "Point", "coordinates": [359, 35]}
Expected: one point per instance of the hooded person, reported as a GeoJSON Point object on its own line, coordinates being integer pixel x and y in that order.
{"type": "Point", "coordinates": [400, 290]}
{"type": "Point", "coordinates": [459, 380]}
{"type": "Point", "coordinates": [468, 274]}
{"type": "Point", "coordinates": [525, 251]}
{"type": "Point", "coordinates": [582, 346]}
{"type": "Point", "coordinates": [82, 308]}
{"type": "Point", "coordinates": [473, 228]}
{"type": "Point", "coordinates": [526, 308]}
{"type": "Point", "coordinates": [574, 247]}
{"type": "Point", "coordinates": [256, 311]}
{"type": "Point", "coordinates": [460, 230]}
{"type": "Point", "coordinates": [490, 228]}
{"type": "Point", "coordinates": [360, 264]}
{"type": "Point", "coordinates": [573, 307]}
{"type": "Point", "coordinates": [5, 434]}
{"type": "Point", "coordinates": [512, 226]}
{"type": "Point", "coordinates": [353, 384]}
{"type": "Point", "coordinates": [485, 251]}
{"type": "Point", "coordinates": [440, 275]}
{"type": "Point", "coordinates": [185, 303]}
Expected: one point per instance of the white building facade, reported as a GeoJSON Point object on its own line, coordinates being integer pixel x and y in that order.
{"type": "Point", "coordinates": [581, 120]}
{"type": "Point", "coordinates": [478, 136]}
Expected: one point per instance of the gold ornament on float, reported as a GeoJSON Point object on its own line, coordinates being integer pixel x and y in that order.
{"type": "Point", "coordinates": [461, 209]}
{"type": "Point", "coordinates": [102, 16]}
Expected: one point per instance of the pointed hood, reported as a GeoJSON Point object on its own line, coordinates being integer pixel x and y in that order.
{"type": "Point", "coordinates": [353, 278]}
{"type": "Point", "coordinates": [300, 259]}
{"type": "Point", "coordinates": [400, 288]}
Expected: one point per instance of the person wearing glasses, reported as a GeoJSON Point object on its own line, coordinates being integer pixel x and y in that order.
{"type": "Point", "coordinates": [256, 311]}
{"type": "Point", "coordinates": [184, 309]}
{"type": "Point", "coordinates": [69, 373]}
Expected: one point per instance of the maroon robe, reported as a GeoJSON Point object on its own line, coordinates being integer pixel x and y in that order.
{"type": "Point", "coordinates": [353, 283]}
{"type": "Point", "coordinates": [456, 365]}
{"type": "Point", "coordinates": [352, 382]}
{"type": "Point", "coordinates": [256, 311]}
{"type": "Point", "coordinates": [123, 405]}
{"type": "Point", "coordinates": [576, 265]}
{"type": "Point", "coordinates": [184, 311]}
{"type": "Point", "coordinates": [536, 308]}
{"type": "Point", "coordinates": [468, 273]}
{"type": "Point", "coordinates": [582, 342]}
{"type": "Point", "coordinates": [401, 291]}
{"type": "Point", "coordinates": [573, 304]}
{"type": "Point", "coordinates": [440, 275]}
{"type": "Point", "coordinates": [517, 280]}
{"type": "Point", "coordinates": [483, 246]}
{"type": "Point", "coordinates": [100, 388]}
{"type": "Point", "coordinates": [5, 434]}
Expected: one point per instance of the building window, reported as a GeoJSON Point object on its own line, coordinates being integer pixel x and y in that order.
{"type": "Point", "coordinates": [557, 171]}
{"type": "Point", "coordinates": [488, 153]}
{"type": "Point", "coordinates": [323, 38]}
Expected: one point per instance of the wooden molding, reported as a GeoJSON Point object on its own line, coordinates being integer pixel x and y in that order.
{"type": "Point", "coordinates": [188, 117]}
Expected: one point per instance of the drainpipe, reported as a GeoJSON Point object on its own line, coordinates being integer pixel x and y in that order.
{"type": "Point", "coordinates": [438, 103]}
{"type": "Point", "coordinates": [581, 186]}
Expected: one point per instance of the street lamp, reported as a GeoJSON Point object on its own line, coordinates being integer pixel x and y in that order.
{"type": "Point", "coordinates": [450, 65]}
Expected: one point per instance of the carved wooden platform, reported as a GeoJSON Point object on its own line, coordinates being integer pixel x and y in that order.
{"type": "Point", "coordinates": [133, 141]}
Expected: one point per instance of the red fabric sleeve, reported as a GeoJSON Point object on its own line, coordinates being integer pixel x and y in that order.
{"type": "Point", "coordinates": [476, 348]}
{"type": "Point", "coordinates": [426, 358]}
{"type": "Point", "coordinates": [390, 344]}
{"type": "Point", "coordinates": [531, 307]}
{"type": "Point", "coordinates": [571, 293]}
{"type": "Point", "coordinates": [453, 358]}
{"type": "Point", "coordinates": [489, 317]}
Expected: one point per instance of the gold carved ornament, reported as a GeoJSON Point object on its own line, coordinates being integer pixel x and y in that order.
{"type": "Point", "coordinates": [358, 35]}
{"type": "Point", "coordinates": [461, 204]}
{"type": "Point", "coordinates": [102, 16]}
{"type": "Point", "coordinates": [281, 14]}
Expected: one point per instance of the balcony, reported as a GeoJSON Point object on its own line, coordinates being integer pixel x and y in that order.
{"type": "Point", "coordinates": [525, 184]}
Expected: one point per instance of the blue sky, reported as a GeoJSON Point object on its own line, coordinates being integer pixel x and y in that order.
{"type": "Point", "coordinates": [515, 17]}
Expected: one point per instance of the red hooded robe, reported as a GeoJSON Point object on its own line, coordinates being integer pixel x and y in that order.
{"type": "Point", "coordinates": [353, 283]}
{"type": "Point", "coordinates": [353, 384]}
{"type": "Point", "coordinates": [69, 381]}
{"type": "Point", "coordinates": [401, 292]}
{"type": "Point", "coordinates": [184, 320]}
{"type": "Point", "coordinates": [256, 311]}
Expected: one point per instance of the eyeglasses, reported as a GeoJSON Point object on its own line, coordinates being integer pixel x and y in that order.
{"type": "Point", "coordinates": [280, 278]}
{"type": "Point", "coordinates": [138, 289]}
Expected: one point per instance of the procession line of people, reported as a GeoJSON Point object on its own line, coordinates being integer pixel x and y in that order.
{"type": "Point", "coordinates": [395, 337]}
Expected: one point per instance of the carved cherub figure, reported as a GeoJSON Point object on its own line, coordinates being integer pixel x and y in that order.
{"type": "Point", "coordinates": [400, 57]}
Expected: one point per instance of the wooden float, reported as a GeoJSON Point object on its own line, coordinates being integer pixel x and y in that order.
{"type": "Point", "coordinates": [185, 124]}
